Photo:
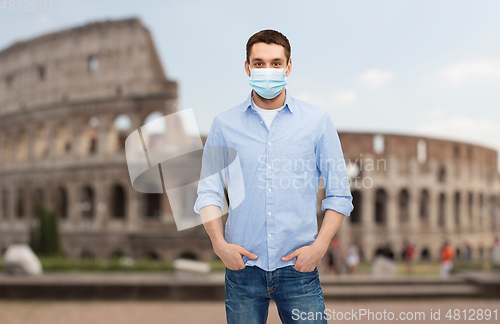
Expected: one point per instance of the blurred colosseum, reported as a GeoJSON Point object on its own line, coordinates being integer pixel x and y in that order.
{"type": "Point", "coordinates": [68, 101]}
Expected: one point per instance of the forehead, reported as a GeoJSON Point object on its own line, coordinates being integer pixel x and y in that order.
{"type": "Point", "coordinates": [267, 52]}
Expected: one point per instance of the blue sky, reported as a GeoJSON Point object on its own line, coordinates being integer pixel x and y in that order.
{"type": "Point", "coordinates": [410, 67]}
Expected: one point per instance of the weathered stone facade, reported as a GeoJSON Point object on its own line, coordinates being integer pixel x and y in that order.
{"type": "Point", "coordinates": [68, 101]}
{"type": "Point", "coordinates": [422, 190]}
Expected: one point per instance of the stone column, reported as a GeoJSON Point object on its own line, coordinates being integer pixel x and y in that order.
{"type": "Point", "coordinates": [433, 210]}
{"type": "Point", "coordinates": [101, 201]}
{"type": "Point", "coordinates": [449, 221]}
{"type": "Point", "coordinates": [368, 222]}
{"type": "Point", "coordinates": [133, 217]}
{"type": "Point", "coordinates": [414, 210]}
{"type": "Point", "coordinates": [51, 137]}
{"type": "Point", "coordinates": [76, 136]}
{"type": "Point", "coordinates": [464, 212]}
{"type": "Point", "coordinates": [103, 134]}
{"type": "Point", "coordinates": [73, 212]}
{"type": "Point", "coordinates": [392, 225]}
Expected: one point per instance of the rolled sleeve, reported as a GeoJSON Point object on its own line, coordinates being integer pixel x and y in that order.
{"type": "Point", "coordinates": [331, 164]}
{"type": "Point", "coordinates": [213, 173]}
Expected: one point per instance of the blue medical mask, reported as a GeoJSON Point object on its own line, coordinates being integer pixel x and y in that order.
{"type": "Point", "coordinates": [268, 82]}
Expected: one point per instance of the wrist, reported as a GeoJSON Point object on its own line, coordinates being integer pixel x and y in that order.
{"type": "Point", "coordinates": [218, 243]}
{"type": "Point", "coordinates": [322, 247]}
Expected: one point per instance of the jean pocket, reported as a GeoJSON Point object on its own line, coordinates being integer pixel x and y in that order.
{"type": "Point", "coordinates": [296, 270]}
{"type": "Point", "coordinates": [237, 270]}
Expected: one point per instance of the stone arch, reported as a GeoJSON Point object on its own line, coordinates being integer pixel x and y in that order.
{"type": "Point", "coordinates": [425, 255]}
{"type": "Point", "coordinates": [63, 139]}
{"type": "Point", "coordinates": [38, 199]}
{"type": "Point", "coordinates": [404, 206]}
{"type": "Point", "coordinates": [424, 205]}
{"type": "Point", "coordinates": [87, 254]}
{"type": "Point", "coordinates": [380, 206]}
{"type": "Point", "coordinates": [493, 212]}
{"type": "Point", "coordinates": [87, 202]}
{"type": "Point", "coordinates": [481, 209]}
{"type": "Point", "coordinates": [90, 136]}
{"type": "Point", "coordinates": [120, 129]}
{"type": "Point", "coordinates": [61, 202]}
{"type": "Point", "coordinates": [456, 208]}
{"type": "Point", "coordinates": [152, 205]}
{"type": "Point", "coordinates": [5, 203]}
{"type": "Point", "coordinates": [152, 116]}
{"type": "Point", "coordinates": [357, 201]}
{"type": "Point", "coordinates": [40, 144]}
{"type": "Point", "coordinates": [118, 200]}
{"type": "Point", "coordinates": [22, 146]}
{"type": "Point", "coordinates": [8, 148]}
{"type": "Point", "coordinates": [188, 255]}
{"type": "Point", "coordinates": [442, 209]}
{"type": "Point", "coordinates": [152, 255]}
{"type": "Point", "coordinates": [19, 210]}
{"type": "Point", "coordinates": [470, 208]}
{"type": "Point", "coordinates": [116, 254]}
{"type": "Point", "coordinates": [442, 174]}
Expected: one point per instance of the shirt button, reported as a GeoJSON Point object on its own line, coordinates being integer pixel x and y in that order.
{"type": "Point", "coordinates": [261, 121]}
{"type": "Point", "coordinates": [269, 167]}
{"type": "Point", "coordinates": [269, 235]}
{"type": "Point", "coordinates": [269, 189]}
{"type": "Point", "coordinates": [269, 213]}
{"type": "Point", "coordinates": [269, 143]}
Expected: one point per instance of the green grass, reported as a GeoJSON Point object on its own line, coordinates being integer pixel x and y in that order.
{"type": "Point", "coordinates": [59, 264]}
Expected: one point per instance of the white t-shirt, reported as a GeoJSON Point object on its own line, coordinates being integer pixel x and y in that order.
{"type": "Point", "coordinates": [267, 114]}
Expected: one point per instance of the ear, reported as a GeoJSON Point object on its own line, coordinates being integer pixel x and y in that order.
{"type": "Point", "coordinates": [247, 68]}
{"type": "Point", "coordinates": [289, 68]}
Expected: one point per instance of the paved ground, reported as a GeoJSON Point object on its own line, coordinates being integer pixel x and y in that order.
{"type": "Point", "coordinates": [134, 312]}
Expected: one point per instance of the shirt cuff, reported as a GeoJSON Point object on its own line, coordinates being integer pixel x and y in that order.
{"type": "Point", "coordinates": [340, 204]}
{"type": "Point", "coordinates": [206, 200]}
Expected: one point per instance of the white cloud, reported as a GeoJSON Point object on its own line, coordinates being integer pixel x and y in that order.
{"type": "Point", "coordinates": [344, 98]}
{"type": "Point", "coordinates": [469, 71]}
{"type": "Point", "coordinates": [310, 98]}
{"type": "Point", "coordinates": [374, 78]}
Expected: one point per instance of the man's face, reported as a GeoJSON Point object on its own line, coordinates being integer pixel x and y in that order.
{"type": "Point", "coordinates": [264, 55]}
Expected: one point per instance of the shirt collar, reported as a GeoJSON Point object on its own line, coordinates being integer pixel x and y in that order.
{"type": "Point", "coordinates": [248, 102]}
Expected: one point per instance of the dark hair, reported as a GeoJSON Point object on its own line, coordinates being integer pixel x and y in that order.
{"type": "Point", "coordinates": [269, 36]}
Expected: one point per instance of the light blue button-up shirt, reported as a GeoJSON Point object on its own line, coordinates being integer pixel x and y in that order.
{"type": "Point", "coordinates": [281, 168]}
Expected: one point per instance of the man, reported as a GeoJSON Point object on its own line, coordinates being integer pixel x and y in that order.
{"type": "Point", "coordinates": [271, 246]}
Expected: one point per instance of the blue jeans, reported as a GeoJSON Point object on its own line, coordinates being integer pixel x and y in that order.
{"type": "Point", "coordinates": [298, 295]}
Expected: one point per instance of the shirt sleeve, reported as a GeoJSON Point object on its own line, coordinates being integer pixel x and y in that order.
{"type": "Point", "coordinates": [331, 164]}
{"type": "Point", "coordinates": [213, 171]}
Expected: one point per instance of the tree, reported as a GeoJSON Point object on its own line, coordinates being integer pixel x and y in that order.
{"type": "Point", "coordinates": [44, 236]}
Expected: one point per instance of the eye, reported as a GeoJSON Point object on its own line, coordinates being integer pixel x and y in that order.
{"type": "Point", "coordinates": [258, 64]}
{"type": "Point", "coordinates": [276, 64]}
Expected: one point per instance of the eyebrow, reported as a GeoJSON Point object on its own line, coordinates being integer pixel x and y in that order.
{"type": "Point", "coordinates": [273, 60]}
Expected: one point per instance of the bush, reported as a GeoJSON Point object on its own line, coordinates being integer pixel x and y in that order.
{"type": "Point", "coordinates": [44, 236]}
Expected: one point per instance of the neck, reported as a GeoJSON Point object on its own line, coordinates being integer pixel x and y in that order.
{"type": "Point", "coordinates": [274, 103]}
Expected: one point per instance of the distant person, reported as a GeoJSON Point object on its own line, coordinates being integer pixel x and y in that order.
{"type": "Point", "coordinates": [409, 255]}
{"type": "Point", "coordinates": [352, 258]}
{"type": "Point", "coordinates": [335, 258]}
{"type": "Point", "coordinates": [495, 252]}
{"type": "Point", "coordinates": [467, 251]}
{"type": "Point", "coordinates": [447, 255]}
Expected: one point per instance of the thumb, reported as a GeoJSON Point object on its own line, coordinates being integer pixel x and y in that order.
{"type": "Point", "coordinates": [249, 255]}
{"type": "Point", "coordinates": [291, 255]}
